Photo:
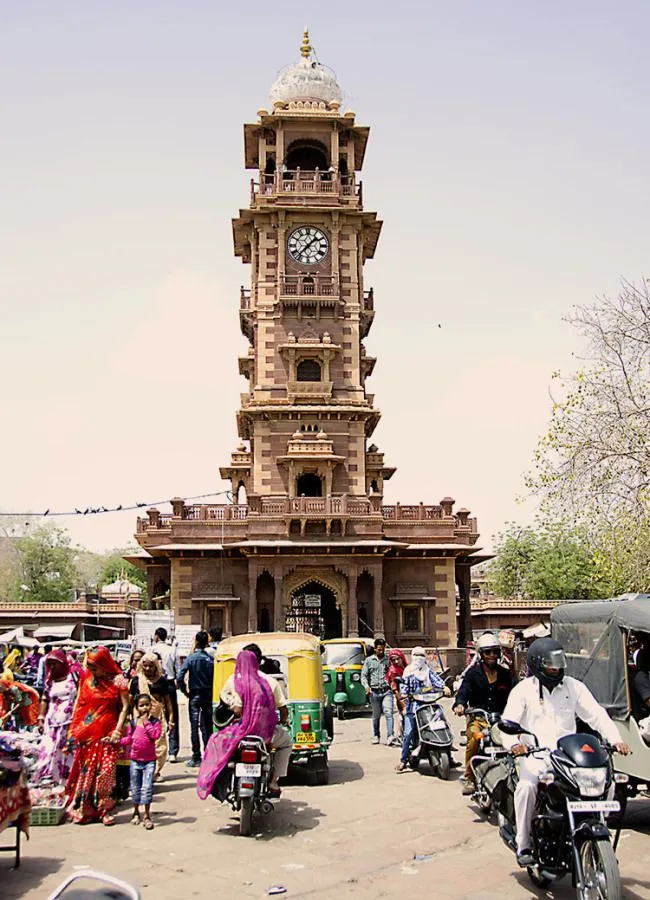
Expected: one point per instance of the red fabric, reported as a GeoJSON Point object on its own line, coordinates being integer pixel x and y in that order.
{"type": "Point", "coordinates": [91, 782]}
{"type": "Point", "coordinates": [28, 714]}
{"type": "Point", "coordinates": [98, 707]}
{"type": "Point", "coordinates": [15, 805]}
{"type": "Point", "coordinates": [101, 657]}
{"type": "Point", "coordinates": [397, 665]}
{"type": "Point", "coordinates": [56, 656]}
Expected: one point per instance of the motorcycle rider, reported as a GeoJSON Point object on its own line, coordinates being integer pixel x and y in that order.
{"type": "Point", "coordinates": [486, 685]}
{"type": "Point", "coordinates": [547, 704]}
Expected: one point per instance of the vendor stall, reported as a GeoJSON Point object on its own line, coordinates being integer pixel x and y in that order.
{"type": "Point", "coordinates": [15, 804]}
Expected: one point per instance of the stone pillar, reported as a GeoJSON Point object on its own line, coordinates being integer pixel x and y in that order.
{"type": "Point", "coordinates": [252, 596]}
{"type": "Point", "coordinates": [463, 579]}
{"type": "Point", "coordinates": [278, 612]}
{"type": "Point", "coordinates": [353, 604]}
{"type": "Point", "coordinates": [377, 600]}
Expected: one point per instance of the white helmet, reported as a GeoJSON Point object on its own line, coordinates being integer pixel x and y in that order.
{"type": "Point", "coordinates": [488, 641]}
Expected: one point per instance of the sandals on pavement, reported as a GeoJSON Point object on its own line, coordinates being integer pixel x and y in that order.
{"type": "Point", "coordinates": [108, 819]}
{"type": "Point", "coordinates": [135, 819]}
{"type": "Point", "coordinates": [148, 824]}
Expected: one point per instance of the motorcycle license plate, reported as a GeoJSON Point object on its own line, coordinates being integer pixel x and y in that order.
{"type": "Point", "coordinates": [437, 725]}
{"type": "Point", "coordinates": [306, 737]}
{"type": "Point", "coordinates": [606, 806]}
{"type": "Point", "coordinates": [248, 770]}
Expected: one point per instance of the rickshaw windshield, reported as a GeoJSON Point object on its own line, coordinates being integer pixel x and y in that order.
{"type": "Point", "coordinates": [343, 655]}
{"type": "Point", "coordinates": [594, 646]}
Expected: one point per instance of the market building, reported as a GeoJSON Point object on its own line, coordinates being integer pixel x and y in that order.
{"type": "Point", "coordinates": [308, 542]}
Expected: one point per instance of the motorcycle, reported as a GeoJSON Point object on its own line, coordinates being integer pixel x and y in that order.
{"type": "Point", "coordinates": [485, 764]}
{"type": "Point", "coordinates": [569, 830]}
{"type": "Point", "coordinates": [244, 783]}
{"type": "Point", "coordinates": [435, 737]}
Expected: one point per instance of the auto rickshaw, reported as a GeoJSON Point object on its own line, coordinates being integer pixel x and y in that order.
{"type": "Point", "coordinates": [595, 636]}
{"type": "Point", "coordinates": [301, 675]}
{"type": "Point", "coordinates": [343, 659]}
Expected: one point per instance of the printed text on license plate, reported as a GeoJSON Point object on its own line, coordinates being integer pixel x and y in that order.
{"type": "Point", "coordinates": [594, 806]}
{"type": "Point", "coordinates": [305, 737]}
{"type": "Point", "coordinates": [248, 770]}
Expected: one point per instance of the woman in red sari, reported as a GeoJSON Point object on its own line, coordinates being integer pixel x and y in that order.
{"type": "Point", "coordinates": [96, 729]}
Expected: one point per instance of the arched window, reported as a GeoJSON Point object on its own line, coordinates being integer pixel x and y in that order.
{"type": "Point", "coordinates": [307, 156]}
{"type": "Point", "coordinates": [308, 370]}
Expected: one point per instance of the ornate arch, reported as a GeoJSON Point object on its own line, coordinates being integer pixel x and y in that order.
{"type": "Point", "coordinates": [328, 577]}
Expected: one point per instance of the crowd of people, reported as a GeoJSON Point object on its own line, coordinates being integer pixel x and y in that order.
{"type": "Point", "coordinates": [107, 731]}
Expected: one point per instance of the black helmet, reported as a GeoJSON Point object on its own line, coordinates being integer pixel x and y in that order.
{"type": "Point", "coordinates": [543, 654]}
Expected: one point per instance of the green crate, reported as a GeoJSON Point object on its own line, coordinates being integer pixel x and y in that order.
{"type": "Point", "coordinates": [46, 815]}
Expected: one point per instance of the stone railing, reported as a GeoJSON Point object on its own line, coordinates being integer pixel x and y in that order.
{"type": "Point", "coordinates": [417, 513]}
{"type": "Point", "coordinates": [343, 504]}
{"type": "Point", "coordinates": [483, 603]}
{"type": "Point", "coordinates": [298, 183]}
{"type": "Point", "coordinates": [309, 390]}
{"type": "Point", "coordinates": [309, 286]}
{"type": "Point", "coordinates": [32, 608]}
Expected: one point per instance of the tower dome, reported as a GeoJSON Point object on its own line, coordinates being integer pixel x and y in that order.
{"type": "Point", "coordinates": [306, 80]}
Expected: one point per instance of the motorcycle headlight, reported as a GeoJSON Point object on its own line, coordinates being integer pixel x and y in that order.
{"type": "Point", "coordinates": [356, 676]}
{"type": "Point", "coordinates": [326, 677]}
{"type": "Point", "coordinates": [591, 782]}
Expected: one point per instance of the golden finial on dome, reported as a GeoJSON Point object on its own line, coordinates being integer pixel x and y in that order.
{"type": "Point", "coordinates": [306, 48]}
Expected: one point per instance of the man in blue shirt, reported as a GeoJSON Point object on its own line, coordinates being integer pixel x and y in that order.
{"type": "Point", "coordinates": [198, 668]}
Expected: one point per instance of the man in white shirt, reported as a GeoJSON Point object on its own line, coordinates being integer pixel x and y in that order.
{"type": "Point", "coordinates": [169, 658]}
{"type": "Point", "coordinates": [281, 740]}
{"type": "Point", "coordinates": [547, 704]}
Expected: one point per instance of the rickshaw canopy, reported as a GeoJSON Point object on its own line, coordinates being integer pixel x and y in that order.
{"type": "Point", "coordinates": [298, 655]}
{"type": "Point", "coordinates": [592, 634]}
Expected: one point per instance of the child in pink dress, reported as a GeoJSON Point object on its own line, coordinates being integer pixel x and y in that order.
{"type": "Point", "coordinates": [140, 742]}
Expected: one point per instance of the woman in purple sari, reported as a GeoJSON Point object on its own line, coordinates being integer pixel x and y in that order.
{"type": "Point", "coordinates": [258, 716]}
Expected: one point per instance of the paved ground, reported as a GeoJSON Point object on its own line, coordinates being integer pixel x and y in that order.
{"type": "Point", "coordinates": [370, 833]}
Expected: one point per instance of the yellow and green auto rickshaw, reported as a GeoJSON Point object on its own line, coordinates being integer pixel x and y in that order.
{"type": "Point", "coordinates": [301, 675]}
{"type": "Point", "coordinates": [343, 659]}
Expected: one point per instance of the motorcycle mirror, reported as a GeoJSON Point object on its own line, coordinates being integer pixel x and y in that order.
{"type": "Point", "coordinates": [110, 887]}
{"type": "Point", "coordinates": [511, 728]}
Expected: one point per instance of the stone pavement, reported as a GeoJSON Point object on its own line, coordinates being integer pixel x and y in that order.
{"type": "Point", "coordinates": [370, 833]}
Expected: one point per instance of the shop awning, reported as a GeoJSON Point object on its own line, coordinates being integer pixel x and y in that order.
{"type": "Point", "coordinates": [54, 631]}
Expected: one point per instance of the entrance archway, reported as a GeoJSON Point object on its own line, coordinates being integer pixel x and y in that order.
{"type": "Point", "coordinates": [313, 609]}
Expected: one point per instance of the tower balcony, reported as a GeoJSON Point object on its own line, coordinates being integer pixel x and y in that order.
{"type": "Point", "coordinates": [293, 187]}
{"type": "Point", "coordinates": [309, 286]}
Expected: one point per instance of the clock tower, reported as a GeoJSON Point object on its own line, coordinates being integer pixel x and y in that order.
{"type": "Point", "coordinates": [307, 542]}
{"type": "Point", "coordinates": [307, 413]}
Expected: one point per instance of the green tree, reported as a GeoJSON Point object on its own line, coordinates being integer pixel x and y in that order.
{"type": "Point", "coordinates": [514, 551]}
{"type": "Point", "coordinates": [549, 562]}
{"type": "Point", "coordinates": [47, 572]}
{"type": "Point", "coordinates": [594, 462]}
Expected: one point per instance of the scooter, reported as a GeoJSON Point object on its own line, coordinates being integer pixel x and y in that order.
{"type": "Point", "coordinates": [485, 763]}
{"type": "Point", "coordinates": [244, 783]}
{"type": "Point", "coordinates": [569, 829]}
{"type": "Point", "coordinates": [435, 737]}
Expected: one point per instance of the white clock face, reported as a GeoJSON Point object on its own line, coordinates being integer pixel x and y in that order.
{"type": "Point", "coordinates": [308, 245]}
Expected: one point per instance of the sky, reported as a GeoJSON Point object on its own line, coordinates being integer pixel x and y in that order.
{"type": "Point", "coordinates": [507, 158]}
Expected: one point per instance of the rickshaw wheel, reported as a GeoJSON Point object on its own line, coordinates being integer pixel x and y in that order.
{"type": "Point", "coordinates": [340, 711]}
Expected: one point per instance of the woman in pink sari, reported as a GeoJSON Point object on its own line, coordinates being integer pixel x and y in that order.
{"type": "Point", "coordinates": [258, 716]}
